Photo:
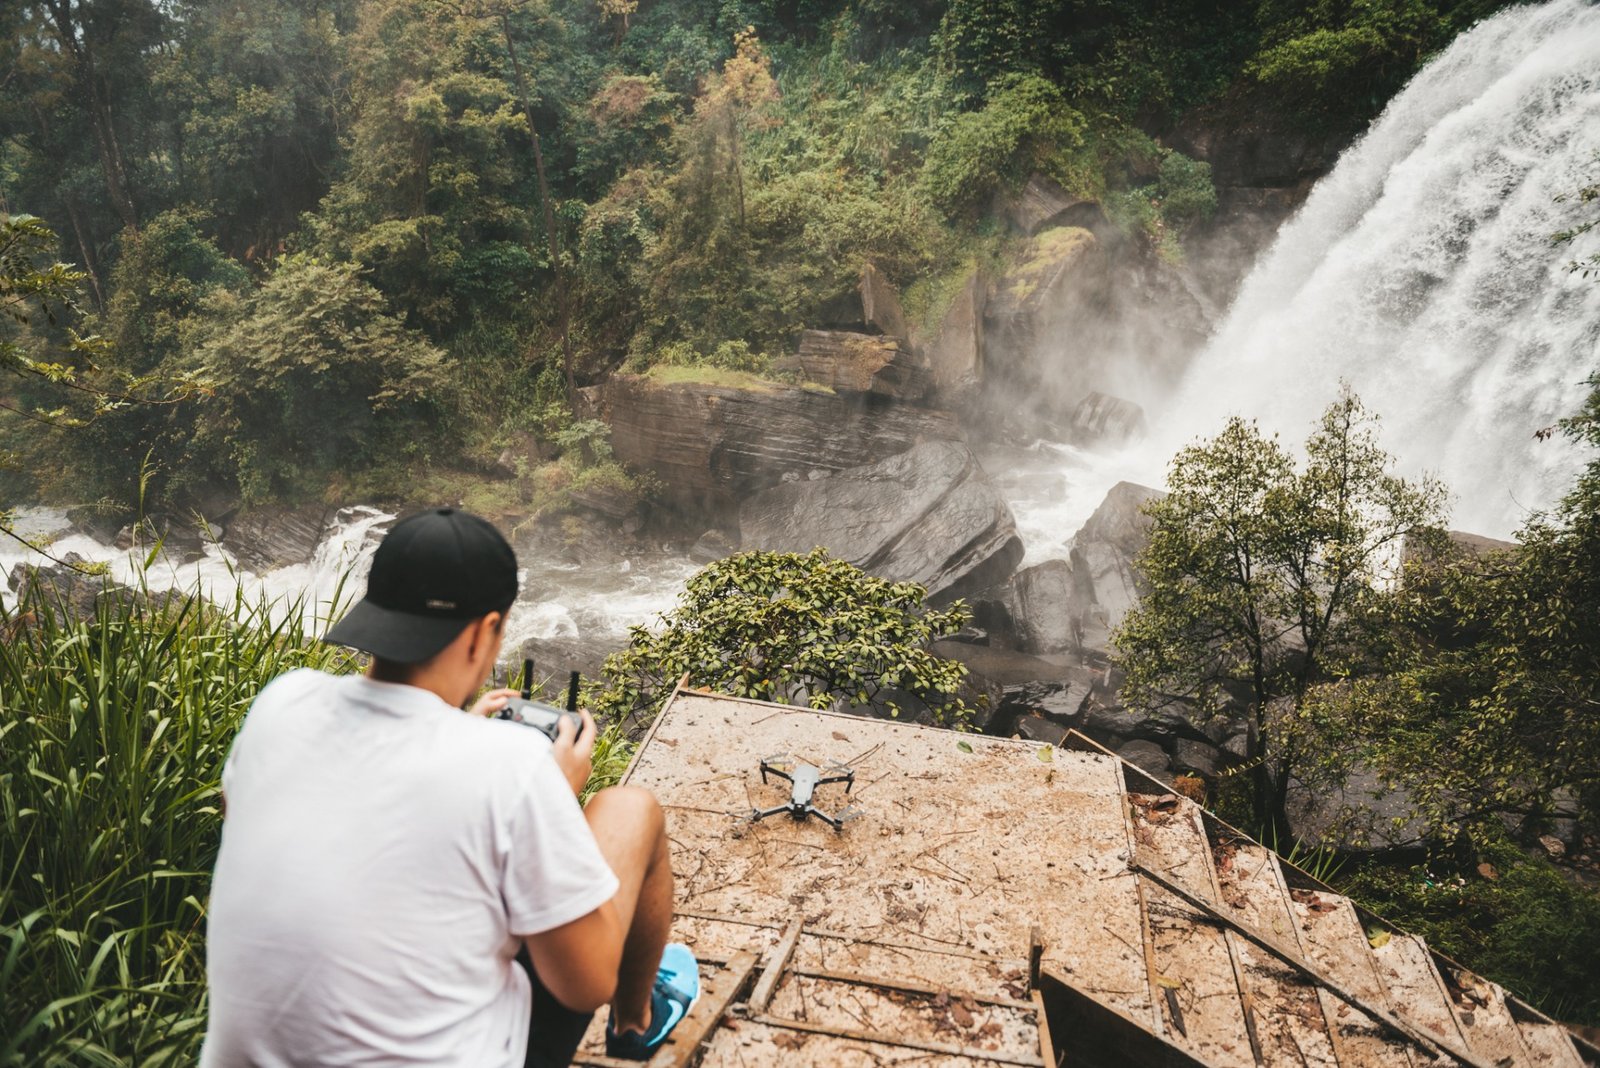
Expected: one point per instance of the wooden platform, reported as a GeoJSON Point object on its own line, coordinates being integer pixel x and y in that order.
{"type": "Point", "coordinates": [989, 887]}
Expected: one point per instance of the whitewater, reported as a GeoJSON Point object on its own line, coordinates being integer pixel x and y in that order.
{"type": "Point", "coordinates": [1421, 271]}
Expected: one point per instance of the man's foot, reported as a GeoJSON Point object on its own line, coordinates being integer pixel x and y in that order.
{"type": "Point", "coordinates": [676, 990]}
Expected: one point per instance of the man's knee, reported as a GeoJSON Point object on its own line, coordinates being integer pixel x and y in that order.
{"type": "Point", "coordinates": [629, 810]}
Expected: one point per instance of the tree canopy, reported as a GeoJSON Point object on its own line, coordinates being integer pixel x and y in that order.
{"type": "Point", "coordinates": [1261, 576]}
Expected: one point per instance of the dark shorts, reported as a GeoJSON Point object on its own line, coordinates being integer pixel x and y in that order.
{"type": "Point", "coordinates": [556, 1031]}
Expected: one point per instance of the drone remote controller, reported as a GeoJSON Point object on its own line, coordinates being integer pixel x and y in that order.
{"type": "Point", "coordinates": [544, 718]}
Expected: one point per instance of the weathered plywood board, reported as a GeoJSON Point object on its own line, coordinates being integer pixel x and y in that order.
{"type": "Point", "coordinates": [963, 842]}
{"type": "Point", "coordinates": [1549, 1044]}
{"type": "Point", "coordinates": [1332, 937]}
{"type": "Point", "coordinates": [1289, 1019]}
{"type": "Point", "coordinates": [1415, 989]}
{"type": "Point", "coordinates": [1485, 1019]}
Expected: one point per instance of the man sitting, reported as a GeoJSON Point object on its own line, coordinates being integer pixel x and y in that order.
{"type": "Point", "coordinates": [400, 883]}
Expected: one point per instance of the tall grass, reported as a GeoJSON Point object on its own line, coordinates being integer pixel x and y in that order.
{"type": "Point", "coordinates": [113, 731]}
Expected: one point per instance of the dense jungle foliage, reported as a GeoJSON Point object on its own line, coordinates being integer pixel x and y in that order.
{"type": "Point", "coordinates": [441, 216]}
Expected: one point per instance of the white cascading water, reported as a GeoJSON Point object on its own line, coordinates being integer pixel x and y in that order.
{"type": "Point", "coordinates": [346, 549]}
{"type": "Point", "coordinates": [559, 600]}
{"type": "Point", "coordinates": [1421, 271]}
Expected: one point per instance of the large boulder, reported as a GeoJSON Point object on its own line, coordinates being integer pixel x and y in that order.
{"type": "Point", "coordinates": [1358, 815]}
{"type": "Point", "coordinates": [953, 353]}
{"type": "Point", "coordinates": [713, 445]}
{"type": "Point", "coordinates": [266, 538]}
{"type": "Point", "coordinates": [1060, 269]}
{"type": "Point", "coordinates": [929, 515]}
{"type": "Point", "coordinates": [1043, 608]}
{"type": "Point", "coordinates": [881, 312]}
{"type": "Point", "coordinates": [1102, 555]}
{"type": "Point", "coordinates": [848, 362]}
{"type": "Point", "coordinates": [1006, 667]}
{"type": "Point", "coordinates": [1042, 203]}
{"type": "Point", "coordinates": [1103, 419]}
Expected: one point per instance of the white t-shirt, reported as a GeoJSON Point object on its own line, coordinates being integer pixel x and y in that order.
{"type": "Point", "coordinates": [382, 854]}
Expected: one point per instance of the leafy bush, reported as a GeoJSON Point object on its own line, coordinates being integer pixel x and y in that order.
{"type": "Point", "coordinates": [312, 375]}
{"type": "Point", "coordinates": [114, 731]}
{"type": "Point", "coordinates": [1025, 120]}
{"type": "Point", "coordinates": [792, 628]}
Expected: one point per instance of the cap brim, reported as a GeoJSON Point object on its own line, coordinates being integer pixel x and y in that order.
{"type": "Point", "coordinates": [391, 635]}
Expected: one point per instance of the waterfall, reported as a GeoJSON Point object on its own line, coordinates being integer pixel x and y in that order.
{"type": "Point", "coordinates": [1422, 272]}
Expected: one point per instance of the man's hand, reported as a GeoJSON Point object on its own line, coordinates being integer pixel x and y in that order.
{"type": "Point", "coordinates": [574, 749]}
{"type": "Point", "coordinates": [491, 702]}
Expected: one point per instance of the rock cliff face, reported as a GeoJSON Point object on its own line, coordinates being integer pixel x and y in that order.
{"type": "Point", "coordinates": [1051, 283]}
{"type": "Point", "coordinates": [715, 445]}
{"type": "Point", "coordinates": [953, 352]}
{"type": "Point", "coordinates": [929, 515]}
{"type": "Point", "coordinates": [848, 362]}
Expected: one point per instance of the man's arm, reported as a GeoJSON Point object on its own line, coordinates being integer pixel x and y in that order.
{"type": "Point", "coordinates": [578, 962]}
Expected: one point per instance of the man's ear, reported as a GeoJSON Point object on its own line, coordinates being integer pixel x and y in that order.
{"type": "Point", "coordinates": [485, 633]}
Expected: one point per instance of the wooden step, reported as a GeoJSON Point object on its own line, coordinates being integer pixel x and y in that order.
{"type": "Point", "coordinates": [1415, 989]}
{"type": "Point", "coordinates": [1549, 1043]}
{"type": "Point", "coordinates": [1087, 907]}
{"type": "Point", "coordinates": [1289, 1022]}
{"type": "Point", "coordinates": [838, 1004]}
{"type": "Point", "coordinates": [1484, 1018]}
{"type": "Point", "coordinates": [1331, 936]}
{"type": "Point", "coordinates": [1194, 969]}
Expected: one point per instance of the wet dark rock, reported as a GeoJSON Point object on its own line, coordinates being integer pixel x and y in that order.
{"type": "Point", "coordinates": [1103, 552]}
{"type": "Point", "coordinates": [613, 502]}
{"type": "Point", "coordinates": [265, 538]}
{"type": "Point", "coordinates": [1251, 140]}
{"type": "Point", "coordinates": [180, 539]}
{"type": "Point", "coordinates": [1039, 729]}
{"type": "Point", "coordinates": [953, 352]}
{"type": "Point", "coordinates": [1064, 700]}
{"type": "Point", "coordinates": [1360, 816]}
{"type": "Point", "coordinates": [98, 521]}
{"type": "Point", "coordinates": [60, 585]}
{"type": "Point", "coordinates": [929, 515]}
{"type": "Point", "coordinates": [1060, 269]}
{"type": "Point", "coordinates": [713, 545]}
{"type": "Point", "coordinates": [1148, 757]}
{"type": "Point", "coordinates": [712, 446]}
{"type": "Point", "coordinates": [554, 658]}
{"type": "Point", "coordinates": [1103, 419]}
{"type": "Point", "coordinates": [881, 312]}
{"type": "Point", "coordinates": [1199, 758]}
{"type": "Point", "coordinates": [1237, 744]}
{"type": "Point", "coordinates": [1004, 666]}
{"type": "Point", "coordinates": [1043, 607]}
{"type": "Point", "coordinates": [1043, 203]}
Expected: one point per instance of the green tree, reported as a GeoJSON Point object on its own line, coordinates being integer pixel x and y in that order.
{"type": "Point", "coordinates": [1025, 122]}
{"type": "Point", "coordinates": [1489, 701]}
{"type": "Point", "coordinates": [796, 629]}
{"type": "Point", "coordinates": [312, 377]}
{"type": "Point", "coordinates": [1260, 579]}
{"type": "Point", "coordinates": [57, 377]}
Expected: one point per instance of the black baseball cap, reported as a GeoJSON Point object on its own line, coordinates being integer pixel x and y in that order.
{"type": "Point", "coordinates": [433, 574]}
